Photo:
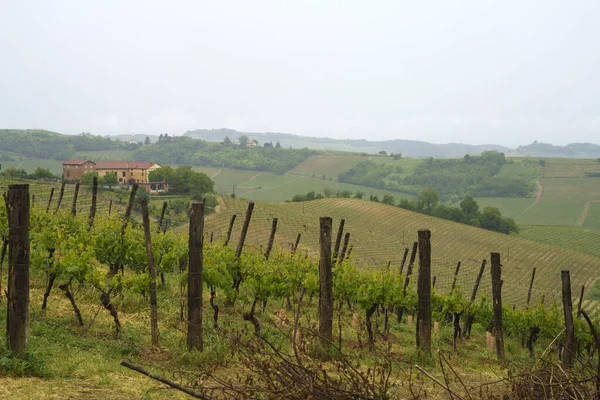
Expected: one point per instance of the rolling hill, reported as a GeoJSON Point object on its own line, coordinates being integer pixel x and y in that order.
{"type": "Point", "coordinates": [380, 233]}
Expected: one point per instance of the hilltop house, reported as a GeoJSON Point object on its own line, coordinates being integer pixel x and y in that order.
{"type": "Point", "coordinates": [127, 172]}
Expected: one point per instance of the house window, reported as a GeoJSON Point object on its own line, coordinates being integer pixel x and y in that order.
{"type": "Point", "coordinates": [124, 173]}
{"type": "Point", "coordinates": [120, 179]}
{"type": "Point", "coordinates": [68, 173]}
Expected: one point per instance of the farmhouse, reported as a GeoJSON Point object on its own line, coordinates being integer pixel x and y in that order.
{"type": "Point", "coordinates": [127, 172]}
{"type": "Point", "coordinates": [73, 170]}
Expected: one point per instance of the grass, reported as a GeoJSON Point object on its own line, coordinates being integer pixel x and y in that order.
{"type": "Point", "coordinates": [570, 237]}
{"type": "Point", "coordinates": [30, 164]}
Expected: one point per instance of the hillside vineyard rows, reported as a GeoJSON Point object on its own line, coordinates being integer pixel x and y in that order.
{"type": "Point", "coordinates": [109, 255]}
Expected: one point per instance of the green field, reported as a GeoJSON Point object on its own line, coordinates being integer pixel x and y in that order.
{"type": "Point", "coordinates": [379, 234]}
{"type": "Point", "coordinates": [570, 237]}
{"type": "Point", "coordinates": [30, 164]}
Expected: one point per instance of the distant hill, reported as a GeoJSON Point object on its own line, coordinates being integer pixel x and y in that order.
{"type": "Point", "coordinates": [409, 148]}
{"type": "Point", "coordinates": [572, 150]}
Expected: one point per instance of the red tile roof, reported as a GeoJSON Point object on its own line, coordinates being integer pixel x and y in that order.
{"type": "Point", "coordinates": [77, 162]}
{"type": "Point", "coordinates": [123, 165]}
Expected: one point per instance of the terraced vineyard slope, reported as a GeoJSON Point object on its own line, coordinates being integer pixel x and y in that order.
{"type": "Point", "coordinates": [380, 233]}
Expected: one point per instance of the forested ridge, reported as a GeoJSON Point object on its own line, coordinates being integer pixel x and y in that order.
{"type": "Point", "coordinates": [451, 178]}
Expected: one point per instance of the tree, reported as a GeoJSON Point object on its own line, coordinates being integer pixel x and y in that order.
{"type": "Point", "coordinates": [359, 195]}
{"type": "Point", "coordinates": [428, 199]}
{"type": "Point", "coordinates": [88, 178]}
{"type": "Point", "coordinates": [244, 140]}
{"type": "Point", "coordinates": [388, 199]}
{"type": "Point", "coordinates": [383, 153]}
{"type": "Point", "coordinates": [470, 209]}
{"type": "Point", "coordinates": [147, 140]}
{"type": "Point", "coordinates": [110, 180]}
{"type": "Point", "coordinates": [226, 142]}
{"type": "Point", "coordinates": [277, 145]}
{"type": "Point", "coordinates": [255, 142]}
{"type": "Point", "coordinates": [15, 173]}
{"type": "Point", "coordinates": [41, 173]}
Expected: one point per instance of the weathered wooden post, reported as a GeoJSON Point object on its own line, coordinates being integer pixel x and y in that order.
{"type": "Point", "coordinates": [196, 242]}
{"type": "Point", "coordinates": [127, 215]}
{"type": "Point", "coordinates": [326, 283]}
{"type": "Point", "coordinates": [404, 257]}
{"type": "Point", "coordinates": [162, 216]}
{"type": "Point", "coordinates": [569, 350]}
{"type": "Point", "coordinates": [74, 204]}
{"type": "Point", "coordinates": [94, 201]}
{"type": "Point", "coordinates": [109, 207]}
{"type": "Point", "coordinates": [497, 303]}
{"type": "Point", "coordinates": [151, 271]}
{"type": "Point", "coordinates": [413, 256]}
{"type": "Point", "coordinates": [579, 305]}
{"type": "Point", "coordinates": [344, 248]}
{"type": "Point", "coordinates": [297, 243]}
{"type": "Point", "coordinates": [455, 277]}
{"type": "Point", "coordinates": [240, 246]}
{"type": "Point", "coordinates": [231, 222]}
{"type": "Point", "coordinates": [530, 287]}
{"type": "Point", "coordinates": [338, 240]}
{"type": "Point", "coordinates": [50, 199]}
{"type": "Point", "coordinates": [424, 293]}
{"type": "Point", "coordinates": [60, 196]}
{"type": "Point", "coordinates": [471, 317]}
{"type": "Point", "coordinates": [17, 320]}
{"type": "Point", "coordinates": [271, 238]}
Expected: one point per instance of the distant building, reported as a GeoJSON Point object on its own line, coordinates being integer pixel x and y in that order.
{"type": "Point", "coordinates": [73, 170]}
{"type": "Point", "coordinates": [127, 172]}
{"type": "Point", "coordinates": [154, 187]}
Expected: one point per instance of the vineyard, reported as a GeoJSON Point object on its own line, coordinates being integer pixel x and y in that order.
{"type": "Point", "coordinates": [271, 322]}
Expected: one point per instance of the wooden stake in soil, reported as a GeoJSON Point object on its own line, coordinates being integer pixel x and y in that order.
{"type": "Point", "coordinates": [240, 246]}
{"type": "Point", "coordinates": [580, 303]}
{"type": "Point", "coordinates": [470, 317]}
{"type": "Point", "coordinates": [404, 257]}
{"type": "Point", "coordinates": [297, 243]}
{"type": "Point", "coordinates": [338, 240]}
{"type": "Point", "coordinates": [231, 222]}
{"type": "Point", "coordinates": [569, 350]}
{"type": "Point", "coordinates": [424, 293]}
{"type": "Point", "coordinates": [196, 243]}
{"type": "Point", "coordinates": [127, 216]}
{"type": "Point", "coordinates": [50, 200]}
{"type": "Point", "coordinates": [326, 283]}
{"type": "Point", "coordinates": [60, 196]}
{"type": "Point", "coordinates": [271, 238]}
{"type": "Point", "coordinates": [497, 303]}
{"type": "Point", "coordinates": [530, 287]}
{"type": "Point", "coordinates": [109, 207]}
{"type": "Point", "coordinates": [17, 320]}
{"type": "Point", "coordinates": [344, 248]}
{"type": "Point", "coordinates": [74, 205]}
{"type": "Point", "coordinates": [94, 201]}
{"type": "Point", "coordinates": [455, 277]}
{"type": "Point", "coordinates": [152, 272]}
{"type": "Point", "coordinates": [162, 216]}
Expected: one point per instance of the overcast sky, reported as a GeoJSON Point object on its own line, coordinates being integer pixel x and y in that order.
{"type": "Point", "coordinates": [506, 72]}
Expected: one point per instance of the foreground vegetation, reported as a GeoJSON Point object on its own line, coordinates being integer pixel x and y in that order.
{"type": "Point", "coordinates": [247, 351]}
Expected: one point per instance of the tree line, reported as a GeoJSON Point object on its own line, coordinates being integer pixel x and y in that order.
{"type": "Point", "coordinates": [451, 178]}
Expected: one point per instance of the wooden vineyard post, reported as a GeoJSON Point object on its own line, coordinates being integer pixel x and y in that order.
{"type": "Point", "coordinates": [471, 317]}
{"type": "Point", "coordinates": [60, 196]}
{"type": "Point", "coordinates": [344, 248]}
{"type": "Point", "coordinates": [404, 257]}
{"type": "Point", "coordinates": [579, 305]}
{"type": "Point", "coordinates": [17, 319]}
{"type": "Point", "coordinates": [162, 216]}
{"type": "Point", "coordinates": [326, 283]}
{"type": "Point", "coordinates": [240, 246]}
{"type": "Point", "coordinates": [530, 287]}
{"type": "Point", "coordinates": [413, 255]}
{"type": "Point", "coordinates": [94, 201]}
{"type": "Point", "coordinates": [50, 199]}
{"type": "Point", "coordinates": [196, 242]}
{"type": "Point", "coordinates": [231, 222]}
{"type": "Point", "coordinates": [109, 207]}
{"type": "Point", "coordinates": [455, 277]}
{"type": "Point", "coordinates": [424, 293]}
{"type": "Point", "coordinates": [134, 189]}
{"type": "Point", "coordinates": [297, 243]}
{"type": "Point", "coordinates": [74, 204]}
{"type": "Point", "coordinates": [151, 271]}
{"type": "Point", "coordinates": [338, 240]}
{"type": "Point", "coordinates": [569, 350]}
{"type": "Point", "coordinates": [497, 303]}
{"type": "Point", "coordinates": [271, 238]}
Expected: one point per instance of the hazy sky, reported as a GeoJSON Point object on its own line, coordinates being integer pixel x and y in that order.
{"type": "Point", "coordinates": [506, 72]}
